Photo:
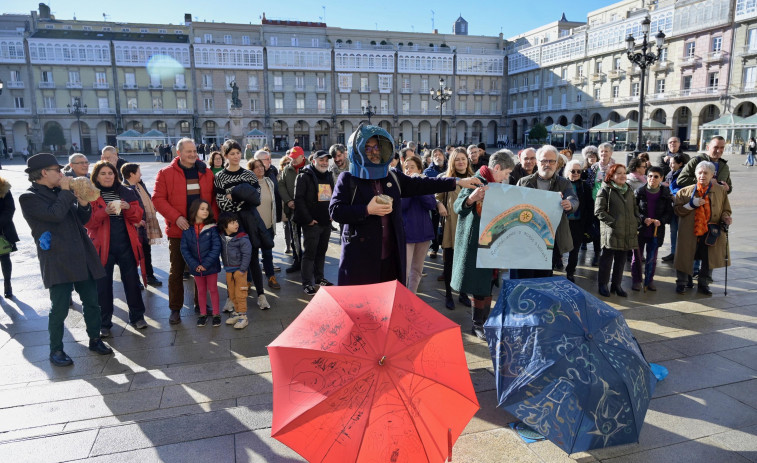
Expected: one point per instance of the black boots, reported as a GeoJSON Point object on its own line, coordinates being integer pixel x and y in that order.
{"type": "Point", "coordinates": [480, 314]}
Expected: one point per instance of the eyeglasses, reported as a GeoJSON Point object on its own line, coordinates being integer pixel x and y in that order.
{"type": "Point", "coordinates": [374, 148]}
{"type": "Point", "coordinates": [548, 161]}
{"type": "Point", "coordinates": [654, 176]}
{"type": "Point", "coordinates": [575, 171]}
{"type": "Point", "coordinates": [81, 162]}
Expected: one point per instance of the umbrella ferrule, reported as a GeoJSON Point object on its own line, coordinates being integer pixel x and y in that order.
{"type": "Point", "coordinates": [382, 360]}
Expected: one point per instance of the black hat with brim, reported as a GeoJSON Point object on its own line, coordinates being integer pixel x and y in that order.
{"type": "Point", "coordinates": [40, 161]}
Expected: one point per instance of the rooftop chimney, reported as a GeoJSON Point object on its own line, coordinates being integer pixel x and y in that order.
{"type": "Point", "coordinates": [44, 11]}
{"type": "Point", "coordinates": [187, 19]}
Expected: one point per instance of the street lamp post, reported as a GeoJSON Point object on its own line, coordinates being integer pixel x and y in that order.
{"type": "Point", "coordinates": [643, 60]}
{"type": "Point", "coordinates": [369, 111]}
{"type": "Point", "coordinates": [77, 110]}
{"type": "Point", "coordinates": [441, 95]}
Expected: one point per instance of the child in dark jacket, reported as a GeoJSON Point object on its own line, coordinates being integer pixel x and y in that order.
{"type": "Point", "coordinates": [200, 247]}
{"type": "Point", "coordinates": [236, 255]}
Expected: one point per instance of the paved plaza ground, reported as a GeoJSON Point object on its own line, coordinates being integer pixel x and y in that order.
{"type": "Point", "coordinates": [182, 393]}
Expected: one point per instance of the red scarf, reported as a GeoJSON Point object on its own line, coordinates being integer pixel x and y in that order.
{"type": "Point", "coordinates": [487, 174]}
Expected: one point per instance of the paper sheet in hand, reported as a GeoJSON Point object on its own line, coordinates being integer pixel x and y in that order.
{"type": "Point", "coordinates": [518, 227]}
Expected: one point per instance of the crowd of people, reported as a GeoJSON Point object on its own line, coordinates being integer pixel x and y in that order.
{"type": "Point", "coordinates": [391, 208]}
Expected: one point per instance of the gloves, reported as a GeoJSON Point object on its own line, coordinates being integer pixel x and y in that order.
{"type": "Point", "coordinates": [696, 202]}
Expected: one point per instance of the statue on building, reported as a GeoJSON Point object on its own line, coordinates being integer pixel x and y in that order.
{"type": "Point", "coordinates": [236, 103]}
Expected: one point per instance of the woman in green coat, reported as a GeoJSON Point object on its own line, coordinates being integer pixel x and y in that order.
{"type": "Point", "coordinates": [466, 277]}
{"type": "Point", "coordinates": [619, 218]}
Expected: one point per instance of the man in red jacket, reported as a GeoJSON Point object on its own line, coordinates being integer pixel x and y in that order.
{"type": "Point", "coordinates": [176, 187]}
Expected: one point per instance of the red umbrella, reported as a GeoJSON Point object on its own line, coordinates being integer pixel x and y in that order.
{"type": "Point", "coordinates": [370, 373]}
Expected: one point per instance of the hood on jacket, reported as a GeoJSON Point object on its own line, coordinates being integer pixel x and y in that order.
{"type": "Point", "coordinates": [360, 166]}
{"type": "Point", "coordinates": [207, 227]}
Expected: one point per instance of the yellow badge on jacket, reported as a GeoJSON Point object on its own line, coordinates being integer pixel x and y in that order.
{"type": "Point", "coordinates": [324, 192]}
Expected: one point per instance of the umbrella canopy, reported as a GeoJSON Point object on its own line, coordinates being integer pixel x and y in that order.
{"type": "Point", "coordinates": [567, 364]}
{"type": "Point", "coordinates": [605, 126]}
{"type": "Point", "coordinates": [370, 373]}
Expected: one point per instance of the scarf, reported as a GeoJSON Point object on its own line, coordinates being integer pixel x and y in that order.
{"type": "Point", "coordinates": [152, 227]}
{"type": "Point", "coordinates": [702, 213]}
{"type": "Point", "coordinates": [488, 175]}
{"type": "Point", "coordinates": [620, 188]}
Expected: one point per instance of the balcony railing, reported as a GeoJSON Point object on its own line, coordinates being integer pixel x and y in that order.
{"type": "Point", "coordinates": [547, 84]}
{"type": "Point", "coordinates": [688, 61]}
{"type": "Point", "coordinates": [155, 86]}
{"type": "Point", "coordinates": [179, 87]}
{"type": "Point", "coordinates": [73, 84]}
{"type": "Point", "coordinates": [15, 110]}
{"type": "Point", "coordinates": [253, 88]}
{"type": "Point", "coordinates": [406, 90]}
{"type": "Point", "coordinates": [101, 85]}
{"type": "Point", "coordinates": [748, 50]}
{"type": "Point", "coordinates": [615, 74]}
{"type": "Point", "coordinates": [14, 84]}
{"type": "Point", "coordinates": [597, 77]}
{"type": "Point", "coordinates": [660, 66]}
{"type": "Point", "coordinates": [715, 56]}
{"type": "Point", "coordinates": [365, 89]}
{"type": "Point", "coordinates": [512, 90]}
{"type": "Point", "coordinates": [534, 86]}
{"type": "Point", "coordinates": [47, 85]}
{"type": "Point", "coordinates": [478, 91]}
{"type": "Point", "coordinates": [524, 88]}
{"type": "Point", "coordinates": [278, 88]}
{"type": "Point", "coordinates": [463, 91]}
{"type": "Point", "coordinates": [130, 87]}
{"type": "Point", "coordinates": [579, 80]}
{"type": "Point", "coordinates": [562, 82]}
{"type": "Point", "coordinates": [494, 92]}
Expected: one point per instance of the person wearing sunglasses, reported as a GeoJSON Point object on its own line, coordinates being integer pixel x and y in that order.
{"type": "Point", "coordinates": [580, 219]}
{"type": "Point", "coordinates": [67, 258]}
{"type": "Point", "coordinates": [655, 210]}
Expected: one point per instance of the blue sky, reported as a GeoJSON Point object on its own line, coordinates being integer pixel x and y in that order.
{"type": "Point", "coordinates": [488, 17]}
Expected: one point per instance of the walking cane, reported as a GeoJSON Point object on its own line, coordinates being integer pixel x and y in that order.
{"type": "Point", "coordinates": [727, 252]}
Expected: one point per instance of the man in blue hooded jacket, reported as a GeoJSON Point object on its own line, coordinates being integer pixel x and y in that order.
{"type": "Point", "coordinates": [373, 233]}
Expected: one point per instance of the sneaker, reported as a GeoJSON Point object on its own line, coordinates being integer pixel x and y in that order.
{"type": "Point", "coordinates": [229, 306]}
{"type": "Point", "coordinates": [216, 320]}
{"type": "Point", "coordinates": [325, 282]}
{"type": "Point", "coordinates": [233, 317]}
{"type": "Point", "coordinates": [139, 324]}
{"type": "Point", "coordinates": [202, 320]}
{"type": "Point", "coordinates": [263, 302]}
{"type": "Point", "coordinates": [309, 289]}
{"type": "Point", "coordinates": [272, 283]}
{"type": "Point", "coordinates": [241, 322]}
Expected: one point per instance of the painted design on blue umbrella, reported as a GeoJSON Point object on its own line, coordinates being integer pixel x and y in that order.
{"type": "Point", "coordinates": [567, 364]}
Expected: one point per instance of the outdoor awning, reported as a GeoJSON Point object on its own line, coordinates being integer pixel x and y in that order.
{"type": "Point", "coordinates": [729, 121]}
{"type": "Point", "coordinates": [606, 126]}
{"type": "Point", "coordinates": [129, 134]}
{"type": "Point", "coordinates": [153, 134]}
{"type": "Point", "coordinates": [255, 133]}
{"type": "Point", "coordinates": [557, 128]}
{"type": "Point", "coordinates": [574, 128]}
{"type": "Point", "coordinates": [629, 125]}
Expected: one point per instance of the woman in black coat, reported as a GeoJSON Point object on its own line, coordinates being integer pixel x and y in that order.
{"type": "Point", "coordinates": [8, 230]}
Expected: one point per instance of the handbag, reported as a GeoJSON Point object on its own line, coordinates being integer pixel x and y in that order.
{"type": "Point", "coordinates": [713, 233]}
{"type": "Point", "coordinates": [5, 246]}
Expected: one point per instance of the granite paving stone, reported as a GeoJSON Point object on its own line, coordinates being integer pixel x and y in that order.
{"type": "Point", "coordinates": [219, 449]}
{"type": "Point", "coordinates": [699, 372]}
{"type": "Point", "coordinates": [63, 447]}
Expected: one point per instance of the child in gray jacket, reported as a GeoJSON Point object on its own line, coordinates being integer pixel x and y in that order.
{"type": "Point", "coordinates": [236, 253]}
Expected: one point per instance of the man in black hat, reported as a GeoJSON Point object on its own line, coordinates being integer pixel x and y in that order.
{"type": "Point", "coordinates": [67, 258]}
{"type": "Point", "coordinates": [312, 194]}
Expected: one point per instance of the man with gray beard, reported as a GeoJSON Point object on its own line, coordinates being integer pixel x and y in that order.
{"type": "Point", "coordinates": [312, 194]}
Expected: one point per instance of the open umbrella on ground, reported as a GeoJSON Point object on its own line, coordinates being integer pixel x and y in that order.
{"type": "Point", "coordinates": [370, 373]}
{"type": "Point", "coordinates": [567, 364]}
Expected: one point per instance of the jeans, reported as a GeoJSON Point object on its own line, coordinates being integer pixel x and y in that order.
{"type": "Point", "coordinates": [638, 268]}
{"type": "Point", "coordinates": [124, 257]}
{"type": "Point", "coordinates": [315, 245]}
{"type": "Point", "coordinates": [60, 295]}
{"type": "Point", "coordinates": [750, 159]}
{"type": "Point", "coordinates": [416, 255]}
{"type": "Point", "coordinates": [673, 234]}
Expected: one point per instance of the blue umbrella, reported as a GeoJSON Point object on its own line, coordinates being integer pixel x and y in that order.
{"type": "Point", "coordinates": [567, 364]}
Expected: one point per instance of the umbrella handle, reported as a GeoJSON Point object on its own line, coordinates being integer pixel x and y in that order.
{"type": "Point", "coordinates": [655, 231]}
{"type": "Point", "coordinates": [449, 444]}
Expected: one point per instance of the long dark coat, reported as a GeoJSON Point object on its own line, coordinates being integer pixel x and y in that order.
{"type": "Point", "coordinates": [72, 256]}
{"type": "Point", "coordinates": [361, 234]}
{"type": "Point", "coordinates": [466, 277]}
{"type": "Point", "coordinates": [7, 210]}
